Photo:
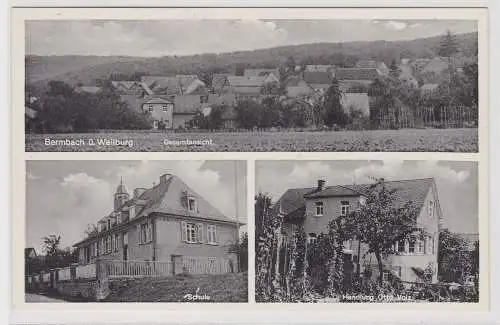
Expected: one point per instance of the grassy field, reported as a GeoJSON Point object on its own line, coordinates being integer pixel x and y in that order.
{"type": "Point", "coordinates": [219, 288]}
{"type": "Point", "coordinates": [411, 140]}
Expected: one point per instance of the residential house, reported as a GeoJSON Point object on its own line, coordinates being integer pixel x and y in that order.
{"type": "Point", "coordinates": [372, 64]}
{"type": "Point", "coordinates": [428, 89]}
{"type": "Point", "coordinates": [318, 80]}
{"type": "Point", "coordinates": [168, 222]}
{"type": "Point", "coordinates": [320, 68]}
{"type": "Point", "coordinates": [315, 207]}
{"type": "Point", "coordinates": [248, 87]}
{"type": "Point", "coordinates": [135, 88]}
{"type": "Point", "coordinates": [29, 252]}
{"type": "Point", "coordinates": [177, 111]}
{"type": "Point", "coordinates": [175, 85]}
{"type": "Point", "coordinates": [354, 77]}
{"type": "Point", "coordinates": [161, 110]}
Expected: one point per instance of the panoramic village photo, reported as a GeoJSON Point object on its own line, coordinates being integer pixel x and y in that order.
{"type": "Point", "coordinates": [366, 231]}
{"type": "Point", "coordinates": [136, 231]}
{"type": "Point", "coordinates": [251, 85]}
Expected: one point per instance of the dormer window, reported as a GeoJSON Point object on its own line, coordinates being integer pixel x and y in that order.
{"type": "Point", "coordinates": [319, 209]}
{"type": "Point", "coordinates": [344, 208]}
{"type": "Point", "coordinates": [191, 204]}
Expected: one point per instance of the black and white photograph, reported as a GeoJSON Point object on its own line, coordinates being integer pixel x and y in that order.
{"type": "Point", "coordinates": [251, 85]}
{"type": "Point", "coordinates": [360, 231]}
{"type": "Point", "coordinates": [136, 231]}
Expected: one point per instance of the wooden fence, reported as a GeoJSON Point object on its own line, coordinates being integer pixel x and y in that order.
{"type": "Point", "coordinates": [432, 117]}
{"type": "Point", "coordinates": [134, 269]}
{"type": "Point", "coordinates": [113, 269]}
{"type": "Point", "coordinates": [205, 265]}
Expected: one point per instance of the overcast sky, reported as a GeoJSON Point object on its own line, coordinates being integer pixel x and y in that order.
{"type": "Point", "coordinates": [184, 37]}
{"type": "Point", "coordinates": [456, 181]}
{"type": "Point", "coordinates": [63, 197]}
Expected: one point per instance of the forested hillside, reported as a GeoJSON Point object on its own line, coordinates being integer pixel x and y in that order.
{"type": "Point", "coordinates": [87, 69]}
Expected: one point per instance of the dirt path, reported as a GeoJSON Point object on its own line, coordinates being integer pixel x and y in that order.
{"type": "Point", "coordinates": [31, 297]}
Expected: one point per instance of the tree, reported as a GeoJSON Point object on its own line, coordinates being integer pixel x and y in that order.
{"type": "Point", "coordinates": [454, 259]}
{"type": "Point", "coordinates": [380, 223]}
{"type": "Point", "coordinates": [91, 230]}
{"type": "Point", "coordinates": [333, 111]}
{"type": "Point", "coordinates": [241, 251]}
{"type": "Point", "coordinates": [212, 121]}
{"type": "Point", "coordinates": [394, 70]}
{"type": "Point", "coordinates": [448, 45]}
{"type": "Point", "coordinates": [51, 245]}
{"type": "Point", "coordinates": [247, 113]}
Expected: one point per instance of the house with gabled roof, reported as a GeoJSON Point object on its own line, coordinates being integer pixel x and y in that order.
{"type": "Point", "coordinates": [315, 207]}
{"type": "Point", "coordinates": [135, 88]}
{"type": "Point", "coordinates": [372, 64]}
{"type": "Point", "coordinates": [352, 77]}
{"type": "Point", "coordinates": [175, 85]}
{"type": "Point", "coordinates": [261, 72]}
{"type": "Point", "coordinates": [168, 222]}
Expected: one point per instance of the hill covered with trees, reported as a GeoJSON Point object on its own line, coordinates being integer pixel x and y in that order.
{"type": "Point", "coordinates": [87, 69]}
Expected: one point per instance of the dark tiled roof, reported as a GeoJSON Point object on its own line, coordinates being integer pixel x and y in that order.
{"type": "Point", "coordinates": [357, 74]}
{"type": "Point", "coordinates": [318, 77]}
{"type": "Point", "coordinates": [166, 198]}
{"type": "Point", "coordinates": [414, 190]}
{"type": "Point", "coordinates": [260, 72]}
{"type": "Point", "coordinates": [293, 199]}
{"type": "Point", "coordinates": [329, 191]}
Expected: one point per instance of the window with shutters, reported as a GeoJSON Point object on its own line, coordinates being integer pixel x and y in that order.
{"type": "Point", "coordinates": [191, 233]}
{"type": "Point", "coordinates": [212, 234]}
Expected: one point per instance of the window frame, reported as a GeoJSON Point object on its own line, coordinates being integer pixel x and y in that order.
{"type": "Point", "coordinates": [164, 107]}
{"type": "Point", "coordinates": [410, 242]}
{"type": "Point", "coordinates": [195, 206]}
{"type": "Point", "coordinates": [191, 233]}
{"type": "Point", "coordinates": [212, 234]}
{"type": "Point", "coordinates": [344, 205]}
{"type": "Point", "coordinates": [319, 205]}
{"type": "Point", "coordinates": [312, 238]}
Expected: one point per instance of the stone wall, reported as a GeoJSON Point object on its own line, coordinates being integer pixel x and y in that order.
{"type": "Point", "coordinates": [81, 288]}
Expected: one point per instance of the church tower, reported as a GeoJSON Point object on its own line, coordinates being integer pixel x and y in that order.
{"type": "Point", "coordinates": [121, 195]}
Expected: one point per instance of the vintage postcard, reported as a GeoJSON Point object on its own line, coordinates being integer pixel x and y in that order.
{"type": "Point", "coordinates": [367, 231]}
{"type": "Point", "coordinates": [264, 162]}
{"type": "Point", "coordinates": [286, 82]}
{"type": "Point", "coordinates": [132, 231]}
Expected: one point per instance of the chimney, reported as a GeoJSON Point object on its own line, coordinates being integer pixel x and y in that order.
{"type": "Point", "coordinates": [164, 178]}
{"type": "Point", "coordinates": [321, 184]}
{"type": "Point", "coordinates": [138, 192]}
